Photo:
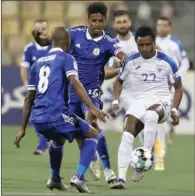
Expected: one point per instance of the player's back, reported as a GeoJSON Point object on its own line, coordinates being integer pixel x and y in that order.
{"type": "Point", "coordinates": [51, 84]}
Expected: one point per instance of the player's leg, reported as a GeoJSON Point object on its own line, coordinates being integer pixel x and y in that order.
{"type": "Point", "coordinates": [102, 147]}
{"type": "Point", "coordinates": [132, 127]}
{"type": "Point", "coordinates": [55, 155]}
{"type": "Point", "coordinates": [159, 148]}
{"type": "Point", "coordinates": [42, 145]}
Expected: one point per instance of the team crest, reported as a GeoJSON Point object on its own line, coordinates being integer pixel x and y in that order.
{"type": "Point", "coordinates": [96, 51]}
{"type": "Point", "coordinates": [159, 68]}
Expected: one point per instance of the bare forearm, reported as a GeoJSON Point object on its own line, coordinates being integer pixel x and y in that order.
{"type": "Point", "coordinates": [111, 72]}
{"type": "Point", "coordinates": [177, 96]}
{"type": "Point", "coordinates": [117, 88]}
{"type": "Point", "coordinates": [26, 113]}
{"type": "Point", "coordinates": [81, 92]}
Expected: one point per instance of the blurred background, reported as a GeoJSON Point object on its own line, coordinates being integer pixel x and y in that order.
{"type": "Point", "coordinates": [17, 22]}
{"type": "Point", "coordinates": [18, 18]}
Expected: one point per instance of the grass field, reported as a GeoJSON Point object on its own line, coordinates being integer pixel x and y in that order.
{"type": "Point", "coordinates": [25, 174]}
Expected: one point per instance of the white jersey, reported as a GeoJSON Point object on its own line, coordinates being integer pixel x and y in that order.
{"type": "Point", "coordinates": [174, 48]}
{"type": "Point", "coordinates": [149, 78]}
{"type": "Point", "coordinates": [129, 47]}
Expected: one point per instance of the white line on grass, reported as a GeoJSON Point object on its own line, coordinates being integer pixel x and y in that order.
{"type": "Point", "coordinates": [33, 194]}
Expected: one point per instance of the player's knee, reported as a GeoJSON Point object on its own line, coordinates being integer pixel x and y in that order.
{"type": "Point", "coordinates": [151, 116]}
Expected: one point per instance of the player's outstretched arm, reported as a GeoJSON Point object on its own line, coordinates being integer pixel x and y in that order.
{"type": "Point", "coordinates": [26, 114]}
{"type": "Point", "coordinates": [41, 40]}
{"type": "Point", "coordinates": [24, 75]}
{"type": "Point", "coordinates": [117, 88]}
{"type": "Point", "coordinates": [176, 102]}
{"type": "Point", "coordinates": [110, 72]}
{"type": "Point", "coordinates": [79, 89]}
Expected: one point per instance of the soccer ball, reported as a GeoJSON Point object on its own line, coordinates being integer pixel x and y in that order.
{"type": "Point", "coordinates": [141, 159]}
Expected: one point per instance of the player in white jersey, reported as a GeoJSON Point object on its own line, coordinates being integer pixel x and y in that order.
{"type": "Point", "coordinates": [148, 74]}
{"type": "Point", "coordinates": [174, 48]}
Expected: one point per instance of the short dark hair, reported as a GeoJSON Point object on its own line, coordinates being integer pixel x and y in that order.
{"type": "Point", "coordinates": [166, 19]}
{"type": "Point", "coordinates": [121, 13]}
{"type": "Point", "coordinates": [97, 7]}
{"type": "Point", "coordinates": [145, 31]}
{"type": "Point", "coordinates": [41, 20]}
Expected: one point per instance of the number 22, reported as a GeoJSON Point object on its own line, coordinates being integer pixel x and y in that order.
{"type": "Point", "coordinates": [149, 77]}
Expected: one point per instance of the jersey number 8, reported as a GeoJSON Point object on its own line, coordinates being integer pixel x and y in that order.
{"type": "Point", "coordinates": [43, 79]}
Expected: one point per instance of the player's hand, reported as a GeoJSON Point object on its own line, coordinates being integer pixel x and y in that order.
{"type": "Point", "coordinates": [18, 137]}
{"type": "Point", "coordinates": [175, 117]}
{"type": "Point", "coordinates": [98, 113]}
{"type": "Point", "coordinates": [115, 109]}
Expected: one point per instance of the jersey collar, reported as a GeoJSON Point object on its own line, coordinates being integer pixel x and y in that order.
{"type": "Point", "coordinates": [95, 39]}
{"type": "Point", "coordinates": [56, 49]}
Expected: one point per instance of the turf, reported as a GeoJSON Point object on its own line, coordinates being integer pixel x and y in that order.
{"type": "Point", "coordinates": [24, 173]}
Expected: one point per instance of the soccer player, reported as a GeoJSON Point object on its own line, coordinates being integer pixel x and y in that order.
{"type": "Point", "coordinates": [32, 52]}
{"type": "Point", "coordinates": [92, 48]}
{"type": "Point", "coordinates": [174, 48]}
{"type": "Point", "coordinates": [49, 77]}
{"type": "Point", "coordinates": [148, 74]}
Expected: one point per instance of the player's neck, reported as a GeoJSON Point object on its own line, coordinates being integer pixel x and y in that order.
{"type": "Point", "coordinates": [95, 36]}
{"type": "Point", "coordinates": [125, 38]}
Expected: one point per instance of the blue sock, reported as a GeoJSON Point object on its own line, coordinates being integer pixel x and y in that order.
{"type": "Point", "coordinates": [102, 149]}
{"type": "Point", "coordinates": [55, 154]}
{"type": "Point", "coordinates": [87, 153]}
{"type": "Point", "coordinates": [43, 143]}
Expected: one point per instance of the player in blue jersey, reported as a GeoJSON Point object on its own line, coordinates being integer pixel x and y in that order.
{"type": "Point", "coordinates": [92, 48]}
{"type": "Point", "coordinates": [49, 79]}
{"type": "Point", "coordinates": [32, 52]}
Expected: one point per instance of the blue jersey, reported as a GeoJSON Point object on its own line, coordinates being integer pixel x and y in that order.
{"type": "Point", "coordinates": [48, 77]}
{"type": "Point", "coordinates": [32, 52]}
{"type": "Point", "coordinates": [91, 56]}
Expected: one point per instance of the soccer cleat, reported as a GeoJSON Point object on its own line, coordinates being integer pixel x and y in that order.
{"type": "Point", "coordinates": [95, 169]}
{"type": "Point", "coordinates": [118, 184]}
{"type": "Point", "coordinates": [38, 152]}
{"type": "Point", "coordinates": [137, 176]}
{"type": "Point", "coordinates": [109, 175]}
{"type": "Point", "coordinates": [56, 183]}
{"type": "Point", "coordinates": [159, 165]}
{"type": "Point", "coordinates": [80, 185]}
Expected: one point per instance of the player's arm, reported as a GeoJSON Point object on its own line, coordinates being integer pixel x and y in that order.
{"type": "Point", "coordinates": [110, 72]}
{"type": "Point", "coordinates": [175, 79]}
{"type": "Point", "coordinates": [25, 64]}
{"type": "Point", "coordinates": [81, 92]}
{"type": "Point", "coordinates": [29, 100]}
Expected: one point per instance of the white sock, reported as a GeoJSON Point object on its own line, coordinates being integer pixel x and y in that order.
{"type": "Point", "coordinates": [124, 152]}
{"type": "Point", "coordinates": [141, 137]}
{"type": "Point", "coordinates": [150, 128]}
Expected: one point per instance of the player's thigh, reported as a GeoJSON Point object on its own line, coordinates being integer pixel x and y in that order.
{"type": "Point", "coordinates": [133, 125]}
{"type": "Point", "coordinates": [162, 108]}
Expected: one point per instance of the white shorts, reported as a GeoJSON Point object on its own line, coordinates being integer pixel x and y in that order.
{"type": "Point", "coordinates": [138, 108]}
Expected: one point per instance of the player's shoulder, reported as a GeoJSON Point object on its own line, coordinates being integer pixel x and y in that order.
{"type": "Point", "coordinates": [165, 58]}
{"type": "Point", "coordinates": [108, 37]}
{"type": "Point", "coordinates": [177, 41]}
{"type": "Point", "coordinates": [29, 46]}
{"type": "Point", "coordinates": [132, 57]}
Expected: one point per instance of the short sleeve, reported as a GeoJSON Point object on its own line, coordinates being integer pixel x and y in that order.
{"type": "Point", "coordinates": [173, 72]}
{"type": "Point", "coordinates": [124, 71]}
{"type": "Point", "coordinates": [32, 78]}
{"type": "Point", "coordinates": [70, 66]}
{"type": "Point", "coordinates": [113, 47]}
{"type": "Point", "coordinates": [26, 59]}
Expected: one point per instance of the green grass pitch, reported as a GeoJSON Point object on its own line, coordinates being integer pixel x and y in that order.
{"type": "Point", "coordinates": [25, 174]}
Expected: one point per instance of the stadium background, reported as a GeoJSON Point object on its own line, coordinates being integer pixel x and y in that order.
{"type": "Point", "coordinates": [17, 22]}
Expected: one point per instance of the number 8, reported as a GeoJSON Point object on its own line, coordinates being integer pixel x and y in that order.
{"type": "Point", "coordinates": [43, 79]}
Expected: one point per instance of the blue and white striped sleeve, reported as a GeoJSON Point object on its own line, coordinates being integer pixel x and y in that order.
{"type": "Point", "coordinates": [32, 78]}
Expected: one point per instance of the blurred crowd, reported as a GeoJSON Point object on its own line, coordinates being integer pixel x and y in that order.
{"type": "Point", "coordinates": [18, 18]}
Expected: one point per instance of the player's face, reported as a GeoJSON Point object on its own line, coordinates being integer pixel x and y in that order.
{"type": "Point", "coordinates": [163, 28]}
{"type": "Point", "coordinates": [43, 27]}
{"type": "Point", "coordinates": [122, 25]}
{"type": "Point", "coordinates": [146, 46]}
{"type": "Point", "coordinates": [96, 23]}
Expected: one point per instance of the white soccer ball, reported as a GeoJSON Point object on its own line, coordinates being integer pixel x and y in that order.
{"type": "Point", "coordinates": [141, 159]}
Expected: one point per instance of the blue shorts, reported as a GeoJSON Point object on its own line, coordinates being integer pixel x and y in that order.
{"type": "Point", "coordinates": [80, 108]}
{"type": "Point", "coordinates": [69, 127]}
